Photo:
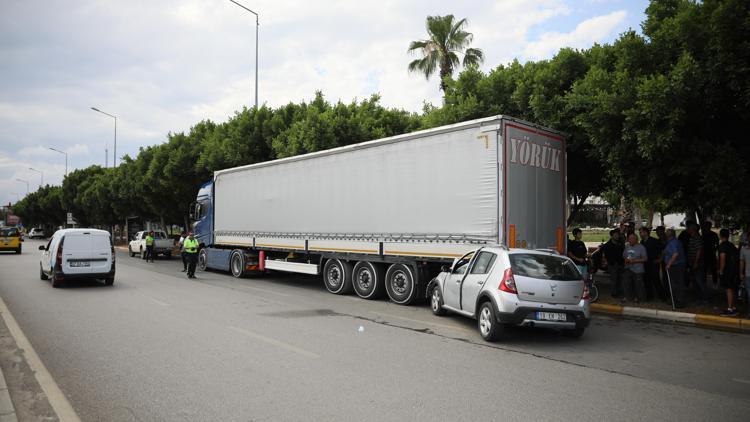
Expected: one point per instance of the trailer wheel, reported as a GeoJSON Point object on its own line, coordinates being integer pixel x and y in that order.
{"type": "Point", "coordinates": [237, 264]}
{"type": "Point", "coordinates": [400, 284]}
{"type": "Point", "coordinates": [337, 276]}
{"type": "Point", "coordinates": [367, 280]}
{"type": "Point", "coordinates": [202, 259]}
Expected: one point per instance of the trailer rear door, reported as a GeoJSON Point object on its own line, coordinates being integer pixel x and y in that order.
{"type": "Point", "coordinates": [534, 187]}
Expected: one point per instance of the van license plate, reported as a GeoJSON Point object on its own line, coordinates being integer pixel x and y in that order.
{"type": "Point", "coordinates": [551, 316]}
{"type": "Point", "coordinates": [80, 264]}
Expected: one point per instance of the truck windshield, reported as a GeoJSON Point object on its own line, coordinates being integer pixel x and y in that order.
{"type": "Point", "coordinates": [544, 267]}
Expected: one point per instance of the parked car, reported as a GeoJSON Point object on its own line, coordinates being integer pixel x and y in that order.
{"type": "Point", "coordinates": [502, 287]}
{"type": "Point", "coordinates": [36, 234]}
{"type": "Point", "coordinates": [10, 239]}
{"type": "Point", "coordinates": [78, 253]}
{"type": "Point", "coordinates": [162, 244]}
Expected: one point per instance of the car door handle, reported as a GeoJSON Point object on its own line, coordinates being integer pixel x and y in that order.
{"type": "Point", "coordinates": [480, 282]}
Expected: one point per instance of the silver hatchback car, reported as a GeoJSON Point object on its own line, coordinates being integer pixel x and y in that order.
{"type": "Point", "coordinates": [501, 287]}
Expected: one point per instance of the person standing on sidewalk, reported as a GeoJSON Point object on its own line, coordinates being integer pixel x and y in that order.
{"type": "Point", "coordinates": [745, 272]}
{"type": "Point", "coordinates": [674, 265]}
{"type": "Point", "coordinates": [695, 263]}
{"type": "Point", "coordinates": [635, 257]}
{"type": "Point", "coordinates": [150, 246]}
{"type": "Point", "coordinates": [651, 283]}
{"type": "Point", "coordinates": [191, 249]}
{"type": "Point", "coordinates": [710, 244]}
{"type": "Point", "coordinates": [728, 270]}
{"type": "Point", "coordinates": [183, 236]}
{"type": "Point", "coordinates": [612, 251]}
{"type": "Point", "coordinates": [578, 253]}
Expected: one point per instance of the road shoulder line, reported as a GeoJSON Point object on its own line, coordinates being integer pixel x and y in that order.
{"type": "Point", "coordinates": [55, 396]}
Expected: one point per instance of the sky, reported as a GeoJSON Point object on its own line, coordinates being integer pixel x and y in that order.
{"type": "Point", "coordinates": [163, 66]}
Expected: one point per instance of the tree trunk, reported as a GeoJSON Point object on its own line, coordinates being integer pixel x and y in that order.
{"type": "Point", "coordinates": [577, 203]}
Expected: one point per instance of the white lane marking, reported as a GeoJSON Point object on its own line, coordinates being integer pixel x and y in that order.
{"type": "Point", "coordinates": [741, 380]}
{"type": "Point", "coordinates": [261, 290]}
{"type": "Point", "coordinates": [156, 301]}
{"type": "Point", "coordinates": [56, 398]}
{"type": "Point", "coordinates": [419, 321]}
{"type": "Point", "coordinates": [275, 342]}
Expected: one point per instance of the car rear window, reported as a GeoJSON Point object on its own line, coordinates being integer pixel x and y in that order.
{"type": "Point", "coordinates": [546, 267]}
{"type": "Point", "coordinates": [9, 232]}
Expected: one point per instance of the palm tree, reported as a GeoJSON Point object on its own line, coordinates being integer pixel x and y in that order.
{"type": "Point", "coordinates": [446, 38]}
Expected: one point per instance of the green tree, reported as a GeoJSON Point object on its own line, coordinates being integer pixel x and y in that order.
{"type": "Point", "coordinates": [446, 39]}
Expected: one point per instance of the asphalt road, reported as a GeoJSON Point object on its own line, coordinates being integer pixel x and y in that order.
{"type": "Point", "coordinates": [157, 346]}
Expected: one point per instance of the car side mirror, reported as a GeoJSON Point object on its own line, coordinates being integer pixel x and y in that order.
{"type": "Point", "coordinates": [445, 269]}
{"type": "Point", "coordinates": [42, 248]}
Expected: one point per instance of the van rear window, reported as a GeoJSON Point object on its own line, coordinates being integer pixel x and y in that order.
{"type": "Point", "coordinates": [100, 243]}
{"type": "Point", "coordinates": [546, 267]}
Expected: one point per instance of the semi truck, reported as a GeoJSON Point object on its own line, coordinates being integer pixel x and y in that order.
{"type": "Point", "coordinates": [385, 216]}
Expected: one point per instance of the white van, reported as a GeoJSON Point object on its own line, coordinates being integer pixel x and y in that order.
{"type": "Point", "coordinates": [78, 253]}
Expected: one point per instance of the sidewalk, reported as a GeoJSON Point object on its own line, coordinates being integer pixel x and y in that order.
{"type": "Point", "coordinates": [693, 313]}
{"type": "Point", "coordinates": [7, 411]}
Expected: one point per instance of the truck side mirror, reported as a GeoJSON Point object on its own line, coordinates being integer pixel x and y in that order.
{"type": "Point", "coordinates": [192, 209]}
{"type": "Point", "coordinates": [42, 248]}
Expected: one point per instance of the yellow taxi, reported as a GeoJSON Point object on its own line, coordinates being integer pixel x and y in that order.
{"type": "Point", "coordinates": [10, 239]}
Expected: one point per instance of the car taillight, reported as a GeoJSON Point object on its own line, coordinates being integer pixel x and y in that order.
{"type": "Point", "coordinates": [58, 258]}
{"type": "Point", "coordinates": [508, 284]}
{"type": "Point", "coordinates": [585, 294]}
{"type": "Point", "coordinates": [112, 249]}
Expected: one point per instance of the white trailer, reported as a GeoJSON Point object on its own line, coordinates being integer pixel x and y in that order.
{"type": "Point", "coordinates": [384, 215]}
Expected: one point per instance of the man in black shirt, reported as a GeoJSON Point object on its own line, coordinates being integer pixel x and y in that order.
{"type": "Point", "coordinates": [710, 243]}
{"type": "Point", "coordinates": [578, 253]}
{"type": "Point", "coordinates": [729, 267]}
{"type": "Point", "coordinates": [653, 251]}
{"type": "Point", "coordinates": [612, 251]}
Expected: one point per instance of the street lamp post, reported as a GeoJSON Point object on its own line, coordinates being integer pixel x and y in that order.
{"type": "Point", "coordinates": [41, 175]}
{"type": "Point", "coordinates": [257, 24]}
{"type": "Point", "coordinates": [27, 184]}
{"type": "Point", "coordinates": [114, 158]}
{"type": "Point", "coordinates": [66, 159]}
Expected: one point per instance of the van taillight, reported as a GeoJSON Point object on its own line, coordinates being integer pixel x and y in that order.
{"type": "Point", "coordinates": [585, 294]}
{"type": "Point", "coordinates": [508, 284]}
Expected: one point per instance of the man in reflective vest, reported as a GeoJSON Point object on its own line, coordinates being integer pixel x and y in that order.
{"type": "Point", "coordinates": [191, 250]}
{"type": "Point", "coordinates": [150, 246]}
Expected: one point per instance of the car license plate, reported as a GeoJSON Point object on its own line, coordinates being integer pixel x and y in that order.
{"type": "Point", "coordinates": [80, 264]}
{"type": "Point", "coordinates": [551, 316]}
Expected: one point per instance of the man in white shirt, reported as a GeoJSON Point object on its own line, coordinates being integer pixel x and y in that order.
{"type": "Point", "coordinates": [183, 236]}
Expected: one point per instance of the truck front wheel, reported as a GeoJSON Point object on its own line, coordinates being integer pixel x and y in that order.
{"type": "Point", "coordinates": [368, 280]}
{"type": "Point", "coordinates": [400, 284]}
{"type": "Point", "coordinates": [202, 259]}
{"type": "Point", "coordinates": [337, 276]}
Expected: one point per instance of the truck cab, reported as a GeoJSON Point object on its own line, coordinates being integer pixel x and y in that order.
{"type": "Point", "coordinates": [201, 212]}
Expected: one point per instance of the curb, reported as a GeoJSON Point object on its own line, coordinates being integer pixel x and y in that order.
{"type": "Point", "coordinates": [702, 320]}
{"type": "Point", "coordinates": [7, 411]}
